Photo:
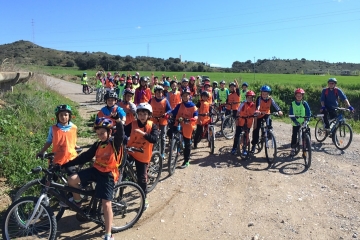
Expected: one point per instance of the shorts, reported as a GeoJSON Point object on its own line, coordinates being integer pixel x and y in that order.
{"type": "Point", "coordinates": [104, 182]}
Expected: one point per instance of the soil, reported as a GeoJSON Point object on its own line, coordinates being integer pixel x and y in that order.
{"type": "Point", "coordinates": [221, 196]}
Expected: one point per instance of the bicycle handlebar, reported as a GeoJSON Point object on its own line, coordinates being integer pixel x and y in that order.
{"type": "Point", "coordinates": [134, 149]}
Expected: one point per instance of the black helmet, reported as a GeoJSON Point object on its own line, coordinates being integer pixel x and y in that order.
{"type": "Point", "coordinates": [232, 84]}
{"type": "Point", "coordinates": [205, 93]}
{"type": "Point", "coordinates": [111, 95]}
{"type": "Point", "coordinates": [145, 79]}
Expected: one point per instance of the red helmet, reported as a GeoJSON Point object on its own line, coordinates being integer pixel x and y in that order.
{"type": "Point", "coordinates": [192, 78]}
{"type": "Point", "coordinates": [129, 81]}
{"type": "Point", "coordinates": [109, 73]}
{"type": "Point", "coordinates": [299, 90]}
{"type": "Point", "coordinates": [250, 93]}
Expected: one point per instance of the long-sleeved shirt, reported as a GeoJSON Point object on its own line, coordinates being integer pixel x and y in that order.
{"type": "Point", "coordinates": [307, 110]}
{"type": "Point", "coordinates": [330, 99]}
{"type": "Point", "coordinates": [151, 137]}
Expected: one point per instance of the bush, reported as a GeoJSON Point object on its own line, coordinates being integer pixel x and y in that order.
{"type": "Point", "coordinates": [70, 63]}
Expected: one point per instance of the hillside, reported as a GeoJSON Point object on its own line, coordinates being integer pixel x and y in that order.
{"type": "Point", "coordinates": [28, 53]}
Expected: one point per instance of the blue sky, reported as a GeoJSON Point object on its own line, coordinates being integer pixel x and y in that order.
{"type": "Point", "coordinates": [216, 32]}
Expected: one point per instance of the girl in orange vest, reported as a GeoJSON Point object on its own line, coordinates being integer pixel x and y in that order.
{"type": "Point", "coordinates": [63, 137]}
{"type": "Point", "coordinates": [234, 98]}
{"type": "Point", "coordinates": [204, 116]}
{"type": "Point", "coordinates": [207, 88]}
{"type": "Point", "coordinates": [174, 96]}
{"type": "Point", "coordinates": [143, 92]}
{"type": "Point", "coordinates": [186, 110]}
{"type": "Point", "coordinates": [108, 156]}
{"type": "Point", "coordinates": [143, 134]}
{"type": "Point", "coordinates": [246, 109]}
{"type": "Point", "coordinates": [128, 107]}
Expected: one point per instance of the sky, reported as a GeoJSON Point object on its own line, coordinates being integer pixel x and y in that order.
{"type": "Point", "coordinates": [214, 32]}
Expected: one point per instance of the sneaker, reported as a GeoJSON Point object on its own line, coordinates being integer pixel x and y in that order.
{"type": "Point", "coordinates": [233, 151]}
{"type": "Point", "coordinates": [245, 153]}
{"type": "Point", "coordinates": [292, 153]}
{"type": "Point", "coordinates": [64, 205]}
{"type": "Point", "coordinates": [253, 147]}
{"type": "Point", "coordinates": [195, 146]}
{"type": "Point", "coordinates": [107, 237]}
{"type": "Point", "coordinates": [185, 165]}
{"type": "Point", "coordinates": [146, 205]}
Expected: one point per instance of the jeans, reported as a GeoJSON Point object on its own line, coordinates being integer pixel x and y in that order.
{"type": "Point", "coordinates": [294, 135]}
{"type": "Point", "coordinates": [328, 112]}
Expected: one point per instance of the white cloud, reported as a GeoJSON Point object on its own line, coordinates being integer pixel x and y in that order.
{"type": "Point", "coordinates": [138, 27]}
{"type": "Point", "coordinates": [215, 65]}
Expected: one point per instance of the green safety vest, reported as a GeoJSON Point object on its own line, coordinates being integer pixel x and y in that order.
{"type": "Point", "coordinates": [243, 95]}
{"type": "Point", "coordinates": [223, 94]}
{"type": "Point", "coordinates": [84, 80]}
{"type": "Point", "coordinates": [298, 110]}
{"type": "Point", "coordinates": [99, 84]}
{"type": "Point", "coordinates": [121, 90]}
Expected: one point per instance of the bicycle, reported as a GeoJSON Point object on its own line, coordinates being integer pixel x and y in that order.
{"type": "Point", "coordinates": [100, 93]}
{"type": "Point", "coordinates": [32, 216]}
{"type": "Point", "coordinates": [267, 137]}
{"type": "Point", "coordinates": [244, 138]}
{"type": "Point", "coordinates": [156, 146]}
{"type": "Point", "coordinates": [128, 170]}
{"type": "Point", "coordinates": [176, 146]}
{"type": "Point", "coordinates": [208, 133]}
{"type": "Point", "coordinates": [229, 124]}
{"type": "Point", "coordinates": [217, 112]}
{"type": "Point", "coordinates": [88, 89]}
{"type": "Point", "coordinates": [338, 130]}
{"type": "Point", "coordinates": [304, 140]}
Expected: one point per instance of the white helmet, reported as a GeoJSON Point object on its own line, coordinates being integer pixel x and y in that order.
{"type": "Point", "coordinates": [144, 106]}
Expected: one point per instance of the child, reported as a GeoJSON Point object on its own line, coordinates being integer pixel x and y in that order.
{"type": "Point", "coordinates": [215, 91]}
{"type": "Point", "coordinates": [223, 93]}
{"type": "Point", "coordinates": [84, 82]}
{"type": "Point", "coordinates": [166, 86]}
{"type": "Point", "coordinates": [263, 104]}
{"type": "Point", "coordinates": [143, 134]}
{"type": "Point", "coordinates": [192, 86]}
{"type": "Point", "coordinates": [120, 89]}
{"type": "Point", "coordinates": [234, 98]}
{"type": "Point", "coordinates": [109, 82]}
{"type": "Point", "coordinates": [299, 108]}
{"type": "Point", "coordinates": [186, 110]}
{"type": "Point", "coordinates": [243, 92]}
{"type": "Point", "coordinates": [204, 117]}
{"type": "Point", "coordinates": [184, 85]}
{"type": "Point", "coordinates": [174, 97]}
{"type": "Point", "coordinates": [63, 137]}
{"type": "Point", "coordinates": [207, 88]}
{"type": "Point", "coordinates": [128, 106]}
{"type": "Point", "coordinates": [142, 93]}
{"type": "Point", "coordinates": [108, 156]}
{"type": "Point", "coordinates": [111, 110]}
{"type": "Point", "coordinates": [246, 109]}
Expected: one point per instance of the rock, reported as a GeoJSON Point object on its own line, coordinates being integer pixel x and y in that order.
{"type": "Point", "coordinates": [354, 235]}
{"type": "Point", "coordinates": [282, 221]}
{"type": "Point", "coordinates": [250, 224]}
{"type": "Point", "coordinates": [162, 220]}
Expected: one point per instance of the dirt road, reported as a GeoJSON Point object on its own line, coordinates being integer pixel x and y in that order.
{"type": "Point", "coordinates": [222, 197]}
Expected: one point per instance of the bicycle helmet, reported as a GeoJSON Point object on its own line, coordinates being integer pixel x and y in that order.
{"type": "Point", "coordinates": [206, 80]}
{"type": "Point", "coordinates": [265, 88]}
{"type": "Point", "coordinates": [299, 90]}
{"type": "Point", "coordinates": [333, 80]}
{"type": "Point", "coordinates": [129, 81]}
{"type": "Point", "coordinates": [144, 106]}
{"type": "Point", "coordinates": [215, 83]}
{"type": "Point", "coordinates": [222, 82]}
{"type": "Point", "coordinates": [84, 73]}
{"type": "Point", "coordinates": [207, 83]}
{"type": "Point", "coordinates": [123, 75]}
{"type": "Point", "coordinates": [166, 84]}
{"type": "Point", "coordinates": [129, 90]}
{"type": "Point", "coordinates": [232, 84]}
{"type": "Point", "coordinates": [134, 77]}
{"type": "Point", "coordinates": [173, 81]}
{"type": "Point", "coordinates": [245, 84]}
{"type": "Point", "coordinates": [192, 78]}
{"type": "Point", "coordinates": [145, 79]}
{"type": "Point", "coordinates": [250, 93]}
{"type": "Point", "coordinates": [103, 123]}
{"type": "Point", "coordinates": [109, 73]}
{"type": "Point", "coordinates": [116, 73]}
{"type": "Point", "coordinates": [137, 74]}
{"type": "Point", "coordinates": [111, 95]}
{"type": "Point", "coordinates": [205, 93]}
{"type": "Point", "coordinates": [187, 90]}
{"type": "Point", "coordinates": [62, 108]}
{"type": "Point", "coordinates": [185, 80]}
{"type": "Point", "coordinates": [158, 88]}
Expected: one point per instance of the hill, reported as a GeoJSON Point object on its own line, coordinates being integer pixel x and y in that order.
{"type": "Point", "coordinates": [28, 53]}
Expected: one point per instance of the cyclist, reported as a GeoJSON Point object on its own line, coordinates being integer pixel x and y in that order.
{"type": "Point", "coordinates": [215, 91]}
{"type": "Point", "coordinates": [184, 85]}
{"type": "Point", "coordinates": [263, 104]}
{"type": "Point", "coordinates": [161, 107]}
{"type": "Point", "coordinates": [128, 106]}
{"type": "Point", "coordinates": [84, 82]}
{"type": "Point", "coordinates": [203, 107]}
{"type": "Point", "coordinates": [329, 101]}
{"type": "Point", "coordinates": [109, 82]}
{"type": "Point", "coordinates": [142, 93]}
{"type": "Point", "coordinates": [166, 86]}
{"type": "Point", "coordinates": [120, 88]}
{"type": "Point", "coordinates": [99, 83]}
{"type": "Point", "coordinates": [192, 86]}
{"type": "Point", "coordinates": [246, 109]}
{"type": "Point", "coordinates": [174, 96]}
{"type": "Point", "coordinates": [108, 153]}
{"type": "Point", "coordinates": [63, 137]}
{"type": "Point", "coordinates": [135, 81]}
{"type": "Point", "coordinates": [143, 134]}
{"type": "Point", "coordinates": [299, 107]}
{"type": "Point", "coordinates": [223, 93]}
{"type": "Point", "coordinates": [207, 88]}
{"type": "Point", "coordinates": [243, 92]}
{"type": "Point", "coordinates": [234, 98]}
{"type": "Point", "coordinates": [187, 110]}
{"type": "Point", "coordinates": [112, 110]}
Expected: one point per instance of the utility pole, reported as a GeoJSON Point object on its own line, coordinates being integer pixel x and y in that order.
{"type": "Point", "coordinates": [254, 68]}
{"type": "Point", "coordinates": [33, 32]}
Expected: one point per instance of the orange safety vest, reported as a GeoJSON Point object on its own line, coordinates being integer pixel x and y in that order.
{"type": "Point", "coordinates": [248, 109]}
{"type": "Point", "coordinates": [101, 114]}
{"type": "Point", "coordinates": [188, 113]}
{"type": "Point", "coordinates": [204, 108]}
{"type": "Point", "coordinates": [159, 109]}
{"type": "Point", "coordinates": [175, 99]}
{"type": "Point", "coordinates": [64, 144]}
{"type": "Point", "coordinates": [210, 97]}
{"type": "Point", "coordinates": [108, 84]}
{"type": "Point", "coordinates": [233, 98]}
{"type": "Point", "coordinates": [137, 140]}
{"type": "Point", "coordinates": [107, 160]}
{"type": "Point", "coordinates": [264, 106]}
{"type": "Point", "coordinates": [146, 96]}
{"type": "Point", "coordinates": [129, 116]}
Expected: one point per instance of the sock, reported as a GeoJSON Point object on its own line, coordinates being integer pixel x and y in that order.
{"type": "Point", "coordinates": [107, 234]}
{"type": "Point", "coordinates": [77, 201]}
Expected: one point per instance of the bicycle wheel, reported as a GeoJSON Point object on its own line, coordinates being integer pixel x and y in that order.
{"type": "Point", "coordinates": [33, 188]}
{"type": "Point", "coordinates": [156, 146]}
{"type": "Point", "coordinates": [297, 147]}
{"type": "Point", "coordinates": [306, 151]}
{"type": "Point", "coordinates": [42, 226]}
{"type": "Point", "coordinates": [320, 132]}
{"type": "Point", "coordinates": [98, 96]}
{"type": "Point", "coordinates": [214, 115]}
{"type": "Point", "coordinates": [342, 136]}
{"type": "Point", "coordinates": [154, 170]}
{"type": "Point", "coordinates": [127, 206]}
{"type": "Point", "coordinates": [212, 139]}
{"type": "Point", "coordinates": [228, 127]}
{"type": "Point", "coordinates": [91, 89]}
{"type": "Point", "coordinates": [173, 155]}
{"type": "Point", "coordinates": [240, 147]}
{"type": "Point", "coordinates": [270, 148]}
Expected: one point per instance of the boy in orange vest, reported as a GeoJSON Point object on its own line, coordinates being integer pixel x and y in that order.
{"type": "Point", "coordinates": [128, 106]}
{"type": "Point", "coordinates": [143, 134]}
{"type": "Point", "coordinates": [233, 98]}
{"type": "Point", "coordinates": [161, 108]}
{"type": "Point", "coordinates": [108, 153]}
{"type": "Point", "coordinates": [204, 116]}
{"type": "Point", "coordinates": [63, 137]}
{"type": "Point", "coordinates": [246, 109]}
{"type": "Point", "coordinates": [112, 110]}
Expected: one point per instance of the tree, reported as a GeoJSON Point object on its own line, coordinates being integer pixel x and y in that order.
{"type": "Point", "coordinates": [70, 63]}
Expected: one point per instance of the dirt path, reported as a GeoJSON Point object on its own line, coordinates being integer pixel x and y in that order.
{"type": "Point", "coordinates": [222, 197]}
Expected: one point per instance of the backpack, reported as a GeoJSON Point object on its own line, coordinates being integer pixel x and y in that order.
{"type": "Point", "coordinates": [335, 91]}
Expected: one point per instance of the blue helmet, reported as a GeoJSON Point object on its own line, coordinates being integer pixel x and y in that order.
{"type": "Point", "coordinates": [245, 84]}
{"type": "Point", "coordinates": [265, 88]}
{"type": "Point", "coordinates": [333, 80]}
{"type": "Point", "coordinates": [166, 84]}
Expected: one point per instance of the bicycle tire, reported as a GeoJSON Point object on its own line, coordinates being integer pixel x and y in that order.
{"type": "Point", "coordinates": [12, 215]}
{"type": "Point", "coordinates": [91, 89]}
{"type": "Point", "coordinates": [307, 154]}
{"type": "Point", "coordinates": [260, 145]}
{"type": "Point", "coordinates": [215, 115]}
{"type": "Point", "coordinates": [320, 132]}
{"type": "Point", "coordinates": [128, 206]}
{"type": "Point", "coordinates": [240, 147]}
{"type": "Point", "coordinates": [297, 147]}
{"type": "Point", "coordinates": [271, 144]}
{"type": "Point", "coordinates": [56, 208]}
{"type": "Point", "coordinates": [335, 139]}
{"type": "Point", "coordinates": [173, 155]}
{"type": "Point", "coordinates": [154, 170]}
{"type": "Point", "coordinates": [229, 121]}
{"type": "Point", "coordinates": [98, 96]}
{"type": "Point", "coordinates": [212, 139]}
